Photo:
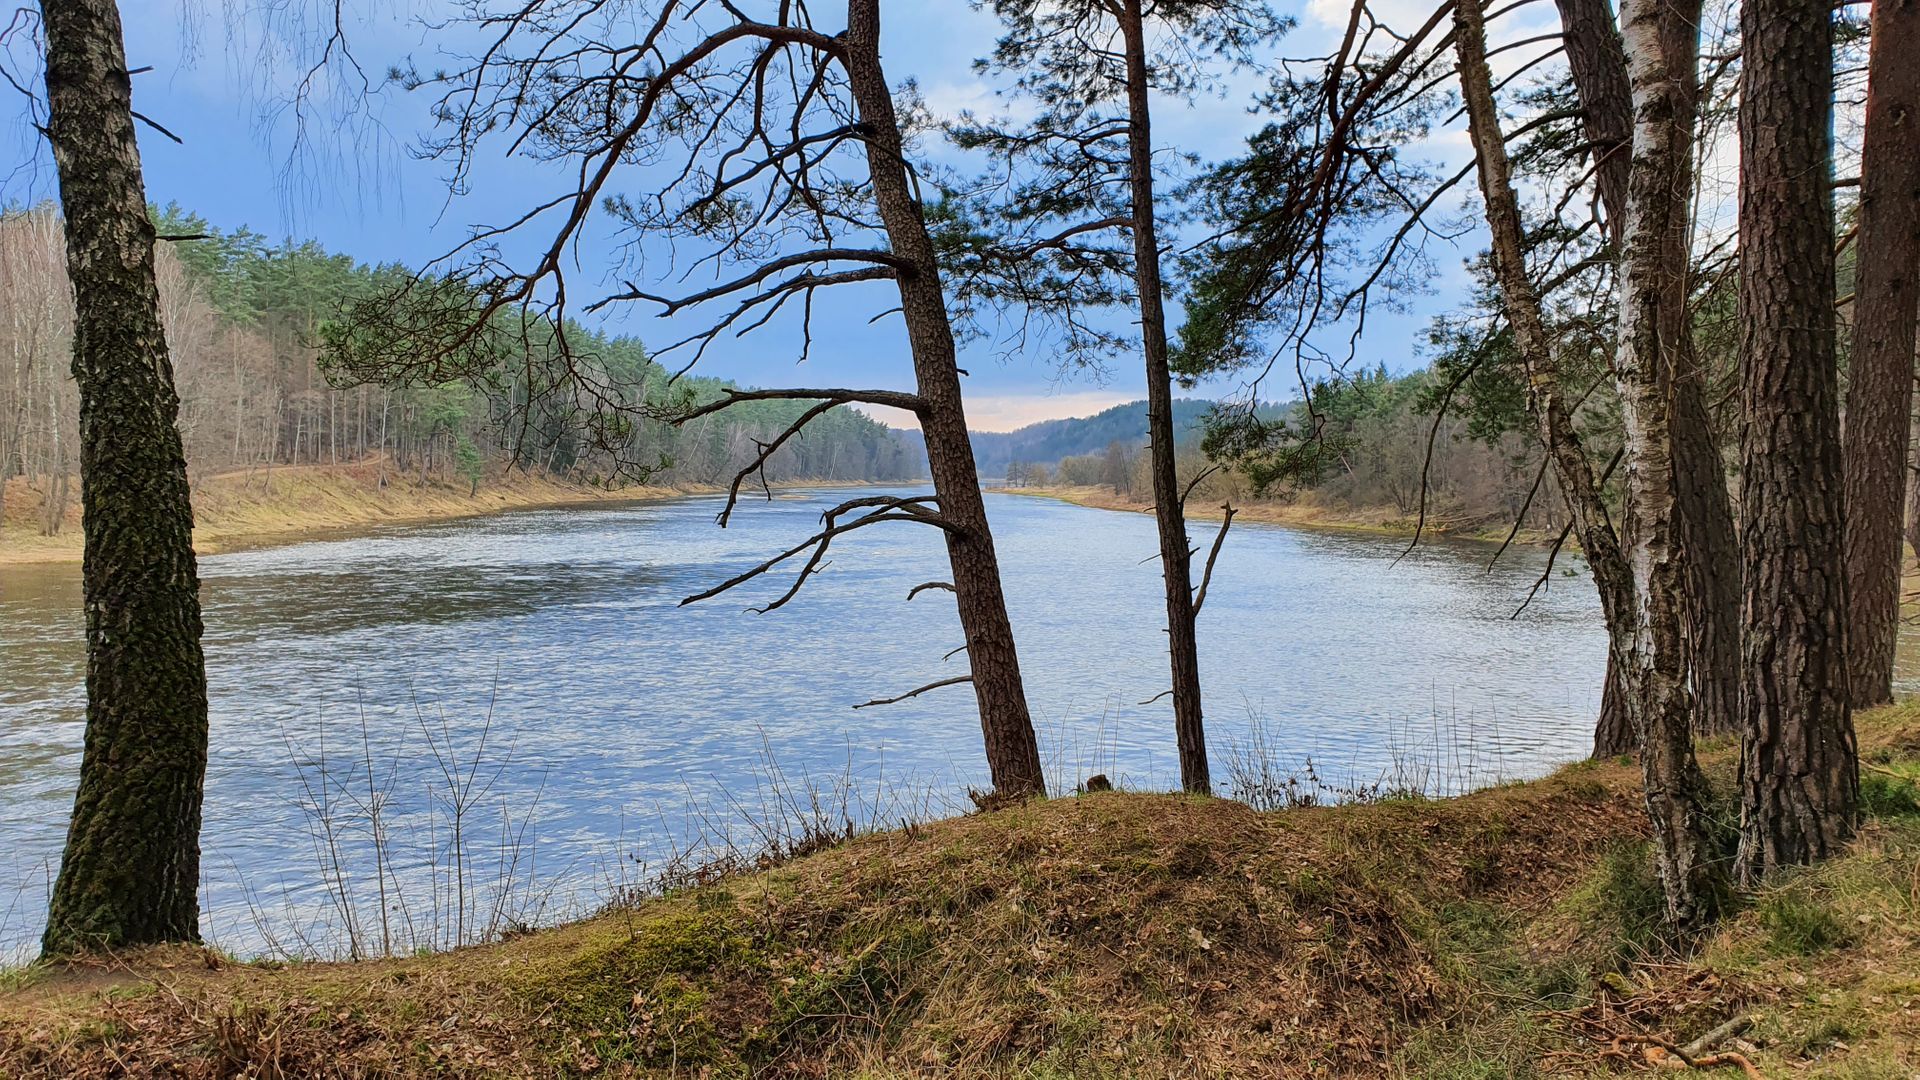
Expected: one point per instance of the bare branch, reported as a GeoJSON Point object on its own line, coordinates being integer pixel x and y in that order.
{"type": "Point", "coordinates": [935, 685]}
{"type": "Point", "coordinates": [1559, 542]}
{"type": "Point", "coordinates": [767, 450]}
{"type": "Point", "coordinates": [898, 399]}
{"type": "Point", "coordinates": [881, 508]}
{"type": "Point", "coordinates": [1206, 576]}
{"type": "Point", "coordinates": [1538, 476]}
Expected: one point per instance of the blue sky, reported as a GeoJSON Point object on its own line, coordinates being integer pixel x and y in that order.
{"type": "Point", "coordinates": [224, 69]}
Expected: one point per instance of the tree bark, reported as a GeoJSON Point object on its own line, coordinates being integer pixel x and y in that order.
{"type": "Point", "coordinates": [1662, 47]}
{"type": "Point", "coordinates": [1799, 775]}
{"type": "Point", "coordinates": [1013, 753]}
{"type": "Point", "coordinates": [1169, 513]}
{"type": "Point", "coordinates": [131, 869]}
{"type": "Point", "coordinates": [1613, 734]}
{"type": "Point", "coordinates": [1880, 390]}
{"type": "Point", "coordinates": [1596, 57]}
{"type": "Point", "coordinates": [1671, 793]}
{"type": "Point", "coordinates": [1913, 462]}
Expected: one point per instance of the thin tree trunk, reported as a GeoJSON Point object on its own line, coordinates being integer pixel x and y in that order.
{"type": "Point", "coordinates": [1169, 514]}
{"type": "Point", "coordinates": [1880, 390]}
{"type": "Point", "coordinates": [132, 862]}
{"type": "Point", "coordinates": [1662, 40]}
{"type": "Point", "coordinates": [1799, 775]}
{"type": "Point", "coordinates": [1013, 753]}
{"type": "Point", "coordinates": [1678, 843]}
{"type": "Point", "coordinates": [1597, 60]}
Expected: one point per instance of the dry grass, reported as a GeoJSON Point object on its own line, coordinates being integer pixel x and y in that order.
{"type": "Point", "coordinates": [1506, 933]}
{"type": "Point", "coordinates": [1112, 934]}
{"type": "Point", "coordinates": [257, 507]}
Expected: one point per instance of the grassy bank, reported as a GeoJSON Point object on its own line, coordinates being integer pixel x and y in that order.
{"type": "Point", "coordinates": [1507, 933]}
{"type": "Point", "coordinates": [267, 506]}
{"type": "Point", "coordinates": [1304, 513]}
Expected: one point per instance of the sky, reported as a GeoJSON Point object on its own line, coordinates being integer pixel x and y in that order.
{"type": "Point", "coordinates": [348, 174]}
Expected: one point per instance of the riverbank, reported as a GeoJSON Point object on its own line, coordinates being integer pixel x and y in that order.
{"type": "Point", "coordinates": [263, 507]}
{"type": "Point", "coordinates": [1506, 933]}
{"type": "Point", "coordinates": [1304, 514]}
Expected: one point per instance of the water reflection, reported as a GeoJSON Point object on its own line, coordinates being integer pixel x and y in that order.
{"type": "Point", "coordinates": [558, 635]}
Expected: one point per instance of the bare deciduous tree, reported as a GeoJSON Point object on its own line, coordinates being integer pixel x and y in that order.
{"type": "Point", "coordinates": [1641, 578]}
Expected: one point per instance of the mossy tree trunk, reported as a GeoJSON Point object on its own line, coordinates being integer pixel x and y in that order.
{"type": "Point", "coordinates": [131, 869]}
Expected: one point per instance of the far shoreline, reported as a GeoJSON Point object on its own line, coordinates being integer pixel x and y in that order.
{"type": "Point", "coordinates": [1377, 521]}
{"type": "Point", "coordinates": [247, 510]}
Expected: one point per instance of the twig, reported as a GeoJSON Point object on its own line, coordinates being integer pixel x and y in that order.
{"type": "Point", "coordinates": [1545, 460]}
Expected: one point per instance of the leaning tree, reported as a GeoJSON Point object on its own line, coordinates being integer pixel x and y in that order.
{"type": "Point", "coordinates": [763, 152]}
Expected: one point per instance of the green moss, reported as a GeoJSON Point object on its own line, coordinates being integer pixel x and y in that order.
{"type": "Point", "coordinates": [644, 995]}
{"type": "Point", "coordinates": [1800, 924]}
{"type": "Point", "coordinates": [862, 987]}
{"type": "Point", "coordinates": [1621, 909]}
{"type": "Point", "coordinates": [1883, 796]}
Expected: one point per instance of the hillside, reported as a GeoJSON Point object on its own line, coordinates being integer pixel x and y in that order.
{"type": "Point", "coordinates": [1050, 440]}
{"type": "Point", "coordinates": [1506, 933]}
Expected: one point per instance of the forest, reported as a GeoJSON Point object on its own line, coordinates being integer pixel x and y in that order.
{"type": "Point", "coordinates": [245, 321]}
{"type": "Point", "coordinates": [1686, 242]}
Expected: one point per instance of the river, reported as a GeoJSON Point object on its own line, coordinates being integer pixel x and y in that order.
{"type": "Point", "coordinates": [533, 676]}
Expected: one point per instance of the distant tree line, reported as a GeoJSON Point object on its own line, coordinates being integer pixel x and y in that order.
{"type": "Point", "coordinates": [246, 318]}
{"type": "Point", "coordinates": [1365, 440]}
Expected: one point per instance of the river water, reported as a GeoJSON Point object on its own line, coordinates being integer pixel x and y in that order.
{"type": "Point", "coordinates": [532, 679]}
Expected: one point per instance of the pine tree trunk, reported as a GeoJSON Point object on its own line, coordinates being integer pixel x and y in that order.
{"type": "Point", "coordinates": [1671, 788]}
{"type": "Point", "coordinates": [1613, 735]}
{"type": "Point", "coordinates": [1799, 776]}
{"type": "Point", "coordinates": [1596, 57]}
{"type": "Point", "coordinates": [1169, 513]}
{"type": "Point", "coordinates": [132, 863]}
{"type": "Point", "coordinates": [1880, 389]}
{"type": "Point", "coordinates": [1013, 753]}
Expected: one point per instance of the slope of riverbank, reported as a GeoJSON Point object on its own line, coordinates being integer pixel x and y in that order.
{"type": "Point", "coordinates": [252, 508]}
{"type": "Point", "coordinates": [1303, 514]}
{"type": "Point", "coordinates": [1506, 933]}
